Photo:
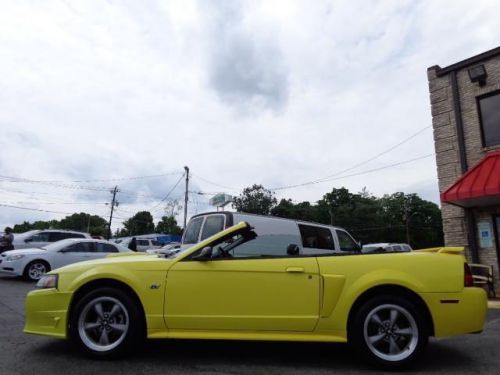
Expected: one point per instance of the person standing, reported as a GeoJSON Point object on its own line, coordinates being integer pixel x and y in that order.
{"type": "Point", "coordinates": [6, 240]}
{"type": "Point", "coordinates": [132, 245]}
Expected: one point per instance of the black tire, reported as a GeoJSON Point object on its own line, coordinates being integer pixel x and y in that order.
{"type": "Point", "coordinates": [34, 270]}
{"type": "Point", "coordinates": [389, 332]}
{"type": "Point", "coordinates": [108, 331]}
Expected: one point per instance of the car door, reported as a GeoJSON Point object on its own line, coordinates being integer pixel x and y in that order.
{"type": "Point", "coordinates": [103, 249]}
{"type": "Point", "coordinates": [76, 252]}
{"type": "Point", "coordinates": [258, 287]}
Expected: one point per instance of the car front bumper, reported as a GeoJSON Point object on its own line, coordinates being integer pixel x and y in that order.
{"type": "Point", "coordinates": [11, 268]}
{"type": "Point", "coordinates": [457, 313]}
{"type": "Point", "coordinates": [47, 312]}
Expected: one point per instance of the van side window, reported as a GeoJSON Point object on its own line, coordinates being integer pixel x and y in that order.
{"type": "Point", "coordinates": [193, 231]}
{"type": "Point", "coordinates": [213, 224]}
{"type": "Point", "coordinates": [346, 242]}
{"type": "Point", "coordinates": [316, 237]}
{"type": "Point", "coordinates": [40, 237]}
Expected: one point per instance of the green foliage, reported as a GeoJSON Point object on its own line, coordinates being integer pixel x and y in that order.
{"type": "Point", "coordinates": [168, 225]}
{"type": "Point", "coordinates": [140, 223]}
{"type": "Point", "coordinates": [255, 200]}
{"type": "Point", "coordinates": [301, 211]}
{"type": "Point", "coordinates": [370, 219]}
{"type": "Point", "coordinates": [83, 222]}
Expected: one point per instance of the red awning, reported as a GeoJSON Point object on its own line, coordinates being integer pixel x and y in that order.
{"type": "Point", "coordinates": [479, 187]}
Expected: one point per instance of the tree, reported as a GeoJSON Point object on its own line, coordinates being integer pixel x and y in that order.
{"type": "Point", "coordinates": [140, 223]}
{"type": "Point", "coordinates": [358, 213]}
{"type": "Point", "coordinates": [255, 200]}
{"type": "Point", "coordinates": [84, 222]}
{"type": "Point", "coordinates": [168, 225]}
{"type": "Point", "coordinates": [300, 211]}
{"type": "Point", "coordinates": [411, 219]}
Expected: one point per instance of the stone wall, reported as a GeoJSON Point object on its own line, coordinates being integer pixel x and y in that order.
{"type": "Point", "coordinates": [447, 149]}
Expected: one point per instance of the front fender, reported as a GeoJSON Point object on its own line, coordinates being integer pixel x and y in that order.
{"type": "Point", "coordinates": [148, 285]}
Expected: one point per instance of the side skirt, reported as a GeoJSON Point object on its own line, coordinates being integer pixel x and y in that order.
{"type": "Point", "coordinates": [249, 335]}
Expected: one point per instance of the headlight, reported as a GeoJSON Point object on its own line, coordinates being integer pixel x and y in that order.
{"type": "Point", "coordinates": [10, 258]}
{"type": "Point", "coordinates": [47, 281]}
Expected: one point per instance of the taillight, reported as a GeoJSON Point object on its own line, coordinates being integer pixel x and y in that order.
{"type": "Point", "coordinates": [468, 279]}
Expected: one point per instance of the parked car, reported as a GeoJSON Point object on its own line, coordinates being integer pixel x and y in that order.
{"type": "Point", "coordinates": [39, 238]}
{"type": "Point", "coordinates": [262, 284]}
{"type": "Point", "coordinates": [385, 247]}
{"type": "Point", "coordinates": [306, 235]}
{"type": "Point", "coordinates": [142, 244]}
{"type": "Point", "coordinates": [33, 263]}
{"type": "Point", "coordinates": [168, 249]}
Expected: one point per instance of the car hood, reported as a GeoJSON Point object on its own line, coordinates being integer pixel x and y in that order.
{"type": "Point", "coordinates": [24, 252]}
{"type": "Point", "coordinates": [129, 260]}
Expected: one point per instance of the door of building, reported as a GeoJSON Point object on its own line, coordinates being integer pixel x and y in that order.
{"type": "Point", "coordinates": [496, 224]}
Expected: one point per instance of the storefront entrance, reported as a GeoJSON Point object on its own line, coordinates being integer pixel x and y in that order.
{"type": "Point", "coordinates": [496, 229]}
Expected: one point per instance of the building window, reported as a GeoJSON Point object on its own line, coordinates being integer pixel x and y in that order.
{"type": "Point", "coordinates": [489, 111]}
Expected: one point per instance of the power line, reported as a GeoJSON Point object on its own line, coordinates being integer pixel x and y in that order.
{"type": "Point", "coordinates": [168, 194]}
{"type": "Point", "coordinates": [61, 185]}
{"type": "Point", "coordinates": [353, 174]}
{"type": "Point", "coordinates": [329, 177]}
{"type": "Point", "coordinates": [36, 209]}
{"type": "Point", "coordinates": [69, 203]}
{"type": "Point", "coordinates": [95, 180]}
{"type": "Point", "coordinates": [380, 154]}
{"type": "Point", "coordinates": [215, 184]}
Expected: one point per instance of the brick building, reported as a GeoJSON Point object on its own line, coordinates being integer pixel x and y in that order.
{"type": "Point", "coordinates": [465, 102]}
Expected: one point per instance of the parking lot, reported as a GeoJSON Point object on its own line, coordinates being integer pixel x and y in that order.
{"type": "Point", "coordinates": [26, 354]}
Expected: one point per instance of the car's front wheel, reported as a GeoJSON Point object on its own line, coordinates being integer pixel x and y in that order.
{"type": "Point", "coordinates": [389, 331]}
{"type": "Point", "coordinates": [35, 270]}
{"type": "Point", "coordinates": [106, 323]}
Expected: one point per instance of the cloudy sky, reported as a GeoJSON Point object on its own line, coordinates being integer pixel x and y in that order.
{"type": "Point", "coordinates": [96, 93]}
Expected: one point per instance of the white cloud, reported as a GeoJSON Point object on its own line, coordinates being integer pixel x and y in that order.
{"type": "Point", "coordinates": [259, 92]}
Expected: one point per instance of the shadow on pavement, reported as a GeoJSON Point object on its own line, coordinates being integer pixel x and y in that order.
{"type": "Point", "coordinates": [247, 357]}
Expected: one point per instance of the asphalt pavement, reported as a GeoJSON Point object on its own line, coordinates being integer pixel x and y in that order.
{"type": "Point", "coordinates": [27, 354]}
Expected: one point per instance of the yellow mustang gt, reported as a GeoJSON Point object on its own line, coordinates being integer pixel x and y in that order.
{"type": "Point", "coordinates": [229, 287]}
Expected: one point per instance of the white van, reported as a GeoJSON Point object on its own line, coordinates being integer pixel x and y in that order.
{"type": "Point", "coordinates": [293, 236]}
{"type": "Point", "coordinates": [39, 238]}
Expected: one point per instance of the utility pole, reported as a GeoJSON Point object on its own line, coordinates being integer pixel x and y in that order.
{"type": "Point", "coordinates": [186, 196]}
{"type": "Point", "coordinates": [113, 204]}
{"type": "Point", "coordinates": [407, 220]}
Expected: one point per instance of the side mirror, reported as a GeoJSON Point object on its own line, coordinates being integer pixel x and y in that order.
{"type": "Point", "coordinates": [292, 249]}
{"type": "Point", "coordinates": [204, 255]}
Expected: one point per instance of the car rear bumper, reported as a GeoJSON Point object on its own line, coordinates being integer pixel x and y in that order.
{"type": "Point", "coordinates": [47, 312]}
{"type": "Point", "coordinates": [457, 313]}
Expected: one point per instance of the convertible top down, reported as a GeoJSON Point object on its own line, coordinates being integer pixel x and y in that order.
{"type": "Point", "coordinates": [240, 284]}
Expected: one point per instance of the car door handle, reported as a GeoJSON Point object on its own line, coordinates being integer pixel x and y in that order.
{"type": "Point", "coordinates": [295, 269]}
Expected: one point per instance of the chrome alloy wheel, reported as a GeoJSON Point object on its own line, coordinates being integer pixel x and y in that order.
{"type": "Point", "coordinates": [36, 271]}
{"type": "Point", "coordinates": [103, 324]}
{"type": "Point", "coordinates": [391, 332]}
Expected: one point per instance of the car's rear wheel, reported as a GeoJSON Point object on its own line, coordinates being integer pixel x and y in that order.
{"type": "Point", "coordinates": [389, 331]}
{"type": "Point", "coordinates": [35, 270]}
{"type": "Point", "coordinates": [105, 323]}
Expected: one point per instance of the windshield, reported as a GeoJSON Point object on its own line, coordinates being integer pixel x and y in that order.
{"type": "Point", "coordinates": [173, 253]}
{"type": "Point", "coordinates": [55, 246]}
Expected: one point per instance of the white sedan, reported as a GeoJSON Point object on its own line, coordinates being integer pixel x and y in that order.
{"type": "Point", "coordinates": [33, 263]}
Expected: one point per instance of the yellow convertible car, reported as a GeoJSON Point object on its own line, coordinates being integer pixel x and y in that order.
{"type": "Point", "coordinates": [231, 286]}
